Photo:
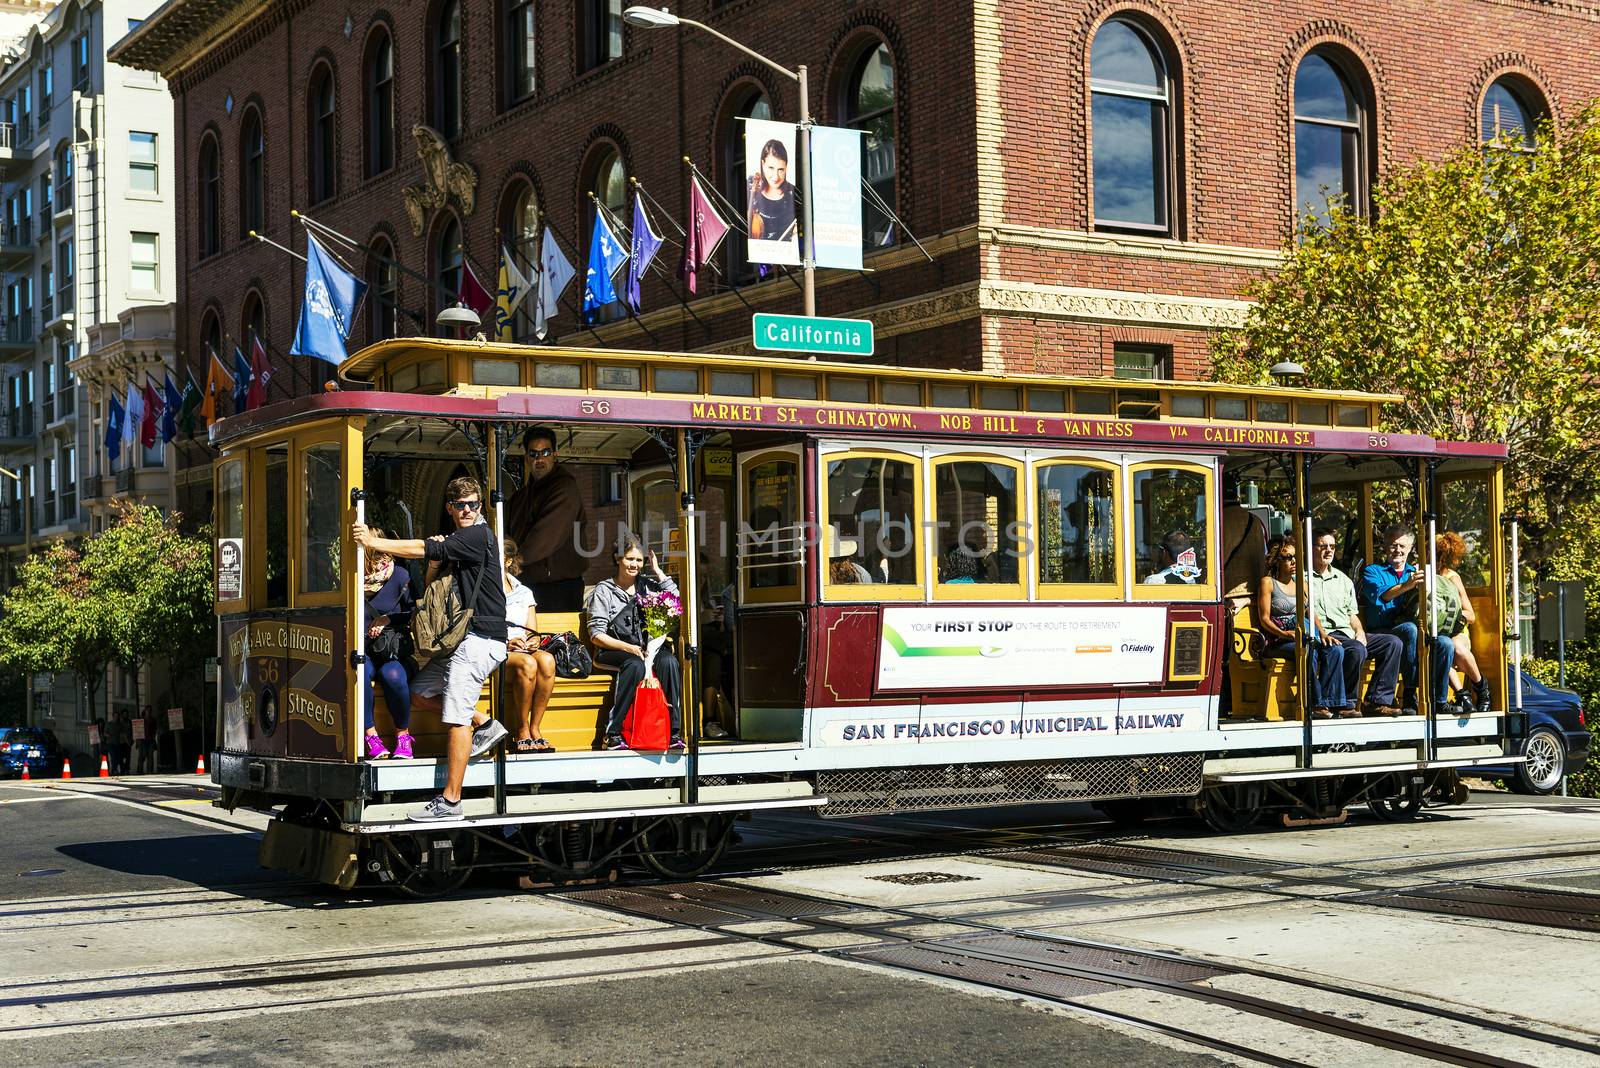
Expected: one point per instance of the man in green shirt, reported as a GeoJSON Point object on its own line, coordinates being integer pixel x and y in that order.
{"type": "Point", "coordinates": [1333, 599]}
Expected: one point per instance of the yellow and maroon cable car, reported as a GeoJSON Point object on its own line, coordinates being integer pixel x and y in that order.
{"type": "Point", "coordinates": [926, 590]}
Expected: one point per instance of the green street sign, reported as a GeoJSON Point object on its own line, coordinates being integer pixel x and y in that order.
{"type": "Point", "coordinates": [797, 333]}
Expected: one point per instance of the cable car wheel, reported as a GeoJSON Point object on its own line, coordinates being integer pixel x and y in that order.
{"type": "Point", "coordinates": [425, 864]}
{"type": "Point", "coordinates": [570, 852]}
{"type": "Point", "coordinates": [1231, 808]}
{"type": "Point", "coordinates": [681, 847]}
{"type": "Point", "coordinates": [1403, 806]}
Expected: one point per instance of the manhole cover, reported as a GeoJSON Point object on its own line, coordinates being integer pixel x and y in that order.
{"type": "Point", "coordinates": [923, 878]}
{"type": "Point", "coordinates": [37, 872]}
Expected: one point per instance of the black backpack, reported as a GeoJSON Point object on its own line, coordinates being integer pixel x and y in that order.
{"type": "Point", "coordinates": [572, 659]}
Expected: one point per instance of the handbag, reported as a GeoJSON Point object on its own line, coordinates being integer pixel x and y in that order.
{"type": "Point", "coordinates": [392, 643]}
{"type": "Point", "coordinates": [572, 659]}
{"type": "Point", "coordinates": [647, 725]}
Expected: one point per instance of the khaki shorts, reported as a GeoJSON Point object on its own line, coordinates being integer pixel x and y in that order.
{"type": "Point", "coordinates": [460, 677]}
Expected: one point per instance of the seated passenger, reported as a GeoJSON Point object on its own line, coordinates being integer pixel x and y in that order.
{"type": "Point", "coordinates": [1455, 615]}
{"type": "Point", "coordinates": [1333, 600]}
{"type": "Point", "coordinates": [1176, 561]}
{"type": "Point", "coordinates": [529, 672]}
{"type": "Point", "coordinates": [1275, 607]}
{"type": "Point", "coordinates": [842, 565]}
{"type": "Point", "coordinates": [1389, 606]}
{"type": "Point", "coordinates": [616, 627]}
{"type": "Point", "coordinates": [389, 662]}
{"type": "Point", "coordinates": [968, 560]}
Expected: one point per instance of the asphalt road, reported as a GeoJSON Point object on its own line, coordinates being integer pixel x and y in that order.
{"type": "Point", "coordinates": [138, 929]}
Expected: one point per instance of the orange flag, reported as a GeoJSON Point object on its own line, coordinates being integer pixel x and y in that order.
{"type": "Point", "coordinates": [216, 375]}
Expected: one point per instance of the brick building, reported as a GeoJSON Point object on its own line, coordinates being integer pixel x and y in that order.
{"type": "Point", "coordinates": [1092, 182]}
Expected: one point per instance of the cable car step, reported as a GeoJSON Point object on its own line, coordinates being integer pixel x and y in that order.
{"type": "Point", "coordinates": [613, 804]}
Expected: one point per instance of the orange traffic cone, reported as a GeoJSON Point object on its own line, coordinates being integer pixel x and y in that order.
{"type": "Point", "coordinates": [200, 764]}
{"type": "Point", "coordinates": [66, 769]}
{"type": "Point", "coordinates": [105, 767]}
{"type": "Point", "coordinates": [25, 775]}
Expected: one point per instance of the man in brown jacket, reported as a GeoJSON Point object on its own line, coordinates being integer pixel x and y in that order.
{"type": "Point", "coordinates": [544, 517]}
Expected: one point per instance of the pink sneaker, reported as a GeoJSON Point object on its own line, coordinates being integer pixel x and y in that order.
{"type": "Point", "coordinates": [376, 750]}
{"type": "Point", "coordinates": [402, 746]}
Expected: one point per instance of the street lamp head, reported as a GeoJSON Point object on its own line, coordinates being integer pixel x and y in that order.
{"type": "Point", "coordinates": [460, 315]}
{"type": "Point", "coordinates": [1287, 373]}
{"type": "Point", "coordinates": [649, 17]}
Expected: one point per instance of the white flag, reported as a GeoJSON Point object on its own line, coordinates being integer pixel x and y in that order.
{"type": "Point", "coordinates": [555, 271]}
{"type": "Point", "coordinates": [133, 418]}
{"type": "Point", "coordinates": [516, 284]}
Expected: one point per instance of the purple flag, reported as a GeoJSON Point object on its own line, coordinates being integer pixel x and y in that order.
{"type": "Point", "coordinates": [646, 243]}
{"type": "Point", "coordinates": [706, 231]}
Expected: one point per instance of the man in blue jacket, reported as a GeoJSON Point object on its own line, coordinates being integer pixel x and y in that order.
{"type": "Point", "coordinates": [1386, 609]}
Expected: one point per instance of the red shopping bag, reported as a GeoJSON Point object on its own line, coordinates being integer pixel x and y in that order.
{"type": "Point", "coordinates": [647, 724]}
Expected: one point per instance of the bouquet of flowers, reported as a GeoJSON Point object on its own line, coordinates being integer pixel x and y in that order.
{"type": "Point", "coordinates": [660, 610]}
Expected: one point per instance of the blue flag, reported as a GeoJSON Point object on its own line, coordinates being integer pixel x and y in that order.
{"type": "Point", "coordinates": [169, 413]}
{"type": "Point", "coordinates": [605, 256]}
{"type": "Point", "coordinates": [114, 419]}
{"type": "Point", "coordinates": [329, 307]}
{"type": "Point", "coordinates": [646, 242]}
{"type": "Point", "coordinates": [242, 375]}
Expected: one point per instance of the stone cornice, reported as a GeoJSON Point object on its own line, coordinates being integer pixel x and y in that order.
{"type": "Point", "coordinates": [1110, 306]}
{"type": "Point", "coordinates": [1126, 245]}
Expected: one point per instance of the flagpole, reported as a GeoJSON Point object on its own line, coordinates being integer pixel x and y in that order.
{"type": "Point", "coordinates": [667, 275]}
{"type": "Point", "coordinates": [743, 224]}
{"type": "Point", "coordinates": [324, 228]}
{"type": "Point", "coordinates": [732, 286]}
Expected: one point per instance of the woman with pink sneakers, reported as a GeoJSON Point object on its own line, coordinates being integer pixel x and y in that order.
{"type": "Point", "coordinates": [389, 663]}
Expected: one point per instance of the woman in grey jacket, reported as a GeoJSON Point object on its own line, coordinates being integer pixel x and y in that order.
{"type": "Point", "coordinates": [616, 627]}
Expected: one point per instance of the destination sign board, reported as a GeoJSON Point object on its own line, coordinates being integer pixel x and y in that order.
{"type": "Point", "coordinates": [802, 333]}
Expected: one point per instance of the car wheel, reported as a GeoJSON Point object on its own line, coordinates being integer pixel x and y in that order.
{"type": "Point", "coordinates": [1546, 763]}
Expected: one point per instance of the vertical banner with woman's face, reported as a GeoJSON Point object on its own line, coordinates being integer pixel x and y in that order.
{"type": "Point", "coordinates": [770, 211]}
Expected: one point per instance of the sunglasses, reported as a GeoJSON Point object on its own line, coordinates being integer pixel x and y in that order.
{"type": "Point", "coordinates": [465, 506]}
{"type": "Point", "coordinates": [540, 454]}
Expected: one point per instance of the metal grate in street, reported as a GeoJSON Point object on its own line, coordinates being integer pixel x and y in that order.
{"type": "Point", "coordinates": [1539, 908]}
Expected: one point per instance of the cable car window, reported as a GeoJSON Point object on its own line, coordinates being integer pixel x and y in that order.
{"type": "Point", "coordinates": [1231, 408]}
{"type": "Point", "coordinates": [277, 517]}
{"type": "Point", "coordinates": [849, 390]}
{"type": "Point", "coordinates": [1091, 401]}
{"type": "Point", "coordinates": [1077, 524]}
{"type": "Point", "coordinates": [975, 511]}
{"type": "Point", "coordinates": [1352, 414]}
{"type": "Point", "coordinates": [1003, 398]}
{"type": "Point", "coordinates": [1272, 411]}
{"type": "Point", "coordinates": [1466, 514]}
{"type": "Point", "coordinates": [230, 529]}
{"type": "Point", "coordinates": [906, 393]}
{"type": "Point", "coordinates": [558, 375]}
{"type": "Point", "coordinates": [951, 396]}
{"type": "Point", "coordinates": [1189, 406]}
{"type": "Point", "coordinates": [769, 540]}
{"type": "Point", "coordinates": [496, 373]}
{"type": "Point", "coordinates": [794, 387]}
{"type": "Point", "coordinates": [617, 378]}
{"type": "Point", "coordinates": [1314, 413]}
{"type": "Point", "coordinates": [1047, 400]}
{"type": "Point", "coordinates": [322, 506]}
{"type": "Point", "coordinates": [669, 380]}
{"type": "Point", "coordinates": [734, 383]}
{"type": "Point", "coordinates": [1170, 531]}
{"type": "Point", "coordinates": [872, 525]}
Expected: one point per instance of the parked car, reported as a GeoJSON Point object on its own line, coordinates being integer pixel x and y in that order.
{"type": "Point", "coordinates": [35, 747]}
{"type": "Point", "coordinates": [1556, 744]}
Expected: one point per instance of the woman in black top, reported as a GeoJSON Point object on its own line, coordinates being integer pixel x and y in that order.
{"type": "Point", "coordinates": [772, 213]}
{"type": "Point", "coordinates": [389, 664]}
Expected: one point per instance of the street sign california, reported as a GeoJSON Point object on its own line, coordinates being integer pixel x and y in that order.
{"type": "Point", "coordinates": [797, 333]}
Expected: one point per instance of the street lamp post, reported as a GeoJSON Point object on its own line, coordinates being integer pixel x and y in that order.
{"type": "Point", "coordinates": [657, 18]}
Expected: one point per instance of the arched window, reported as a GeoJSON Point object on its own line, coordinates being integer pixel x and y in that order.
{"type": "Point", "coordinates": [380, 104]}
{"type": "Point", "coordinates": [322, 159]}
{"type": "Point", "coordinates": [1132, 144]}
{"type": "Point", "coordinates": [447, 258]}
{"type": "Point", "coordinates": [869, 107]}
{"type": "Point", "coordinates": [1509, 111]}
{"type": "Point", "coordinates": [735, 179]}
{"type": "Point", "coordinates": [384, 282]}
{"type": "Point", "coordinates": [608, 182]}
{"type": "Point", "coordinates": [519, 24]}
{"type": "Point", "coordinates": [520, 224]}
{"type": "Point", "coordinates": [447, 70]}
{"type": "Point", "coordinates": [1330, 139]}
{"type": "Point", "coordinates": [63, 194]}
{"type": "Point", "coordinates": [252, 175]}
{"type": "Point", "coordinates": [210, 198]}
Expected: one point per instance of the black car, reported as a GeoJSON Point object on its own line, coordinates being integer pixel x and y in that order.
{"type": "Point", "coordinates": [33, 747]}
{"type": "Point", "coordinates": [1556, 744]}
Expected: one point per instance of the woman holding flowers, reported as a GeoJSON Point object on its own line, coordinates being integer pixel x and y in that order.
{"type": "Point", "coordinates": [630, 616]}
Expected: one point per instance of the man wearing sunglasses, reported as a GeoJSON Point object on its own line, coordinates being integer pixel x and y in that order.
{"type": "Point", "coordinates": [543, 517]}
{"type": "Point", "coordinates": [451, 685]}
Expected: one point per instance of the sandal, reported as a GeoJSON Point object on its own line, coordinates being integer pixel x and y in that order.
{"type": "Point", "coordinates": [542, 746]}
{"type": "Point", "coordinates": [525, 745]}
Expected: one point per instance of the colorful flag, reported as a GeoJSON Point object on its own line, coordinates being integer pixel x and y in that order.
{"type": "Point", "coordinates": [133, 420]}
{"type": "Point", "coordinates": [242, 379]}
{"type": "Point", "coordinates": [191, 403]}
{"type": "Point", "coordinates": [605, 256]}
{"type": "Point", "coordinates": [473, 292]}
{"type": "Point", "coordinates": [170, 403]}
{"type": "Point", "coordinates": [149, 426]}
{"type": "Point", "coordinates": [260, 374]}
{"type": "Point", "coordinates": [706, 231]}
{"type": "Point", "coordinates": [216, 375]}
{"type": "Point", "coordinates": [555, 273]}
{"type": "Point", "coordinates": [332, 297]}
{"type": "Point", "coordinates": [513, 287]}
{"type": "Point", "coordinates": [646, 243]}
{"type": "Point", "coordinates": [114, 418]}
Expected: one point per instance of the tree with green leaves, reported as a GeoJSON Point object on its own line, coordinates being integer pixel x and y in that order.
{"type": "Point", "coordinates": [50, 620]}
{"type": "Point", "coordinates": [1473, 291]}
